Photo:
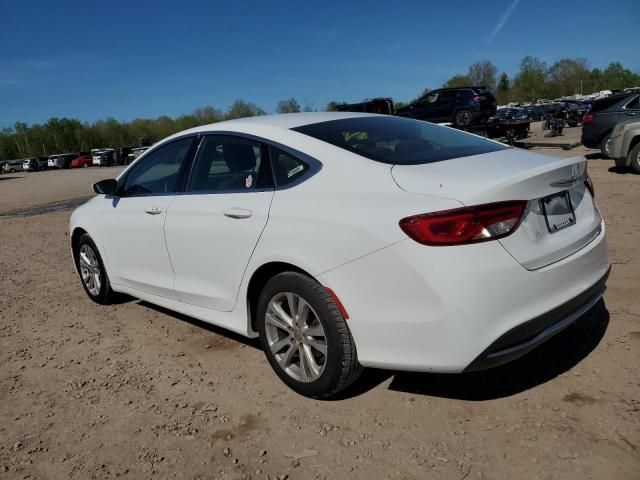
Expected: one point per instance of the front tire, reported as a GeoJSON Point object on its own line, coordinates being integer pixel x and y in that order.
{"type": "Point", "coordinates": [634, 158]}
{"type": "Point", "coordinates": [93, 275]}
{"type": "Point", "coordinates": [305, 337]}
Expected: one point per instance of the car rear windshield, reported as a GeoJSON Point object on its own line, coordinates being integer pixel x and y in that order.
{"type": "Point", "coordinates": [608, 102]}
{"type": "Point", "coordinates": [399, 141]}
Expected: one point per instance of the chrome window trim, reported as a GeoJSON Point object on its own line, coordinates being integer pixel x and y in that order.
{"type": "Point", "coordinates": [314, 165]}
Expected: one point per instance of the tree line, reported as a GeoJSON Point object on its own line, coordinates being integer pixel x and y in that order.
{"type": "Point", "coordinates": [60, 135]}
{"type": "Point", "coordinates": [534, 80]}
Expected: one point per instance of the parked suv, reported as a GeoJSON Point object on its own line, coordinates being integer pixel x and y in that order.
{"type": "Point", "coordinates": [102, 157]}
{"type": "Point", "coordinates": [34, 164]}
{"type": "Point", "coordinates": [62, 160]}
{"type": "Point", "coordinates": [598, 124]}
{"type": "Point", "coordinates": [12, 166]}
{"type": "Point", "coordinates": [460, 106]}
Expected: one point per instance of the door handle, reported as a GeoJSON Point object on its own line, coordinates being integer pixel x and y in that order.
{"type": "Point", "coordinates": [237, 212]}
{"type": "Point", "coordinates": [630, 114]}
{"type": "Point", "coordinates": [153, 210]}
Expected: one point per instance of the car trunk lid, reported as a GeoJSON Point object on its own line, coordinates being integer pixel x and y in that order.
{"type": "Point", "coordinates": [560, 218]}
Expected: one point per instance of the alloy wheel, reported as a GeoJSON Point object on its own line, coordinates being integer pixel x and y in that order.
{"type": "Point", "coordinates": [463, 118]}
{"type": "Point", "coordinates": [90, 269]}
{"type": "Point", "coordinates": [296, 337]}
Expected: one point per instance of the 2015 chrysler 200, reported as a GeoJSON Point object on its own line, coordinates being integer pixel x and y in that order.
{"type": "Point", "coordinates": [346, 240]}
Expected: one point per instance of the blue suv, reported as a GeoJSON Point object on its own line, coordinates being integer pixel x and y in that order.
{"type": "Point", "coordinates": [461, 106]}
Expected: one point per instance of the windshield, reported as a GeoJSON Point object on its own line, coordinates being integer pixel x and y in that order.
{"type": "Point", "coordinates": [399, 141]}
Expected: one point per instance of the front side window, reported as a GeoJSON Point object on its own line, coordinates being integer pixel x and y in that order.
{"type": "Point", "coordinates": [399, 141]}
{"type": "Point", "coordinates": [431, 97]}
{"type": "Point", "coordinates": [227, 163]}
{"type": "Point", "coordinates": [159, 172]}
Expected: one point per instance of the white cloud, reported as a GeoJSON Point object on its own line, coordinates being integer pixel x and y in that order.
{"type": "Point", "coordinates": [502, 19]}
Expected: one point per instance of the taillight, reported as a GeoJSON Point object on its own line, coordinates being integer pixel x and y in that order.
{"type": "Point", "coordinates": [476, 98]}
{"type": "Point", "coordinates": [465, 225]}
{"type": "Point", "coordinates": [588, 118]}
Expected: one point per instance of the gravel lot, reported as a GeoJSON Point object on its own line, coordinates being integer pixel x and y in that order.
{"type": "Point", "coordinates": [134, 391]}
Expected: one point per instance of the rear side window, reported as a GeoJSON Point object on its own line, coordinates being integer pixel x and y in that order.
{"type": "Point", "coordinates": [227, 163]}
{"type": "Point", "coordinates": [399, 141]}
{"type": "Point", "coordinates": [286, 168]}
{"type": "Point", "coordinates": [633, 104]}
{"type": "Point", "coordinates": [606, 103]}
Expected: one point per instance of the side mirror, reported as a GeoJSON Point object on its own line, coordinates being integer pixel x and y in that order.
{"type": "Point", "coordinates": [106, 187]}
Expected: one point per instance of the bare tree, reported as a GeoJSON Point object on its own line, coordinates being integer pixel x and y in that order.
{"type": "Point", "coordinates": [483, 74]}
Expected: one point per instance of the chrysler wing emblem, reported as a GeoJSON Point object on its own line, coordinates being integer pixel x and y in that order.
{"type": "Point", "coordinates": [569, 182]}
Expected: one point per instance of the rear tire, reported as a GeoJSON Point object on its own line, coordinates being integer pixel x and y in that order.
{"type": "Point", "coordinates": [634, 158]}
{"type": "Point", "coordinates": [93, 275]}
{"type": "Point", "coordinates": [297, 321]}
{"type": "Point", "coordinates": [605, 145]}
{"type": "Point", "coordinates": [463, 117]}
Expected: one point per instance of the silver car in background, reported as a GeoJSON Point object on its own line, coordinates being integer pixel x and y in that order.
{"type": "Point", "coordinates": [625, 145]}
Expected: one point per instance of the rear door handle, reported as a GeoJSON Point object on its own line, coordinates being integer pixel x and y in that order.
{"type": "Point", "coordinates": [153, 210]}
{"type": "Point", "coordinates": [237, 213]}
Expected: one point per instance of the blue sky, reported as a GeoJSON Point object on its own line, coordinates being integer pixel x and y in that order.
{"type": "Point", "coordinates": [93, 59]}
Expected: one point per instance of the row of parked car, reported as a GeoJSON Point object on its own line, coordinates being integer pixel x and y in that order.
{"type": "Point", "coordinates": [572, 111]}
{"type": "Point", "coordinates": [100, 157]}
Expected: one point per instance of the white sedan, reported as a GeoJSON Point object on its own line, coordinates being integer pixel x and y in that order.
{"type": "Point", "coordinates": [348, 240]}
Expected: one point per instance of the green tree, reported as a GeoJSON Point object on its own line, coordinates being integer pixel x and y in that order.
{"type": "Point", "coordinates": [332, 106]}
{"type": "Point", "coordinates": [503, 90]}
{"type": "Point", "coordinates": [207, 115]}
{"type": "Point", "coordinates": [288, 106]}
{"type": "Point", "coordinates": [530, 83]}
{"type": "Point", "coordinates": [617, 77]}
{"type": "Point", "coordinates": [568, 77]}
{"type": "Point", "coordinates": [456, 81]}
{"type": "Point", "coordinates": [596, 80]}
{"type": "Point", "coordinates": [241, 109]}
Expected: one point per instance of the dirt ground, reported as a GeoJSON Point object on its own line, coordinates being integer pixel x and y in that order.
{"type": "Point", "coordinates": [134, 391]}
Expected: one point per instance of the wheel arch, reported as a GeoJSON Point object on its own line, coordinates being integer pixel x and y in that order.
{"type": "Point", "coordinates": [259, 279]}
{"type": "Point", "coordinates": [634, 141]}
{"type": "Point", "coordinates": [75, 238]}
{"type": "Point", "coordinates": [605, 133]}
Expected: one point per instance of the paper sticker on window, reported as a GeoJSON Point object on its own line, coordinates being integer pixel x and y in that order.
{"type": "Point", "coordinates": [291, 173]}
{"type": "Point", "coordinates": [249, 181]}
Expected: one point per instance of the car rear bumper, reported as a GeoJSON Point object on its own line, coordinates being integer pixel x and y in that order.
{"type": "Point", "coordinates": [590, 141]}
{"type": "Point", "coordinates": [525, 337]}
{"type": "Point", "coordinates": [444, 309]}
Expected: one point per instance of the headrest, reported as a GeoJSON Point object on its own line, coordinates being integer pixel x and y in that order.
{"type": "Point", "coordinates": [239, 157]}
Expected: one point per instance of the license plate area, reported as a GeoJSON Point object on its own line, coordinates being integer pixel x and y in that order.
{"type": "Point", "coordinates": [558, 211]}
